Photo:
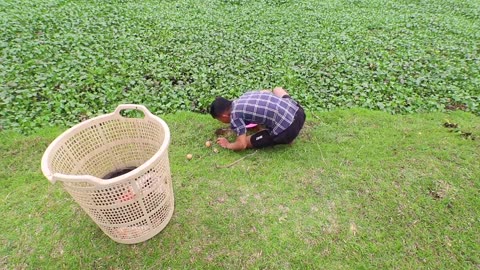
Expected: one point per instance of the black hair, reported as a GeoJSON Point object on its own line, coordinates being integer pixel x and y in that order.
{"type": "Point", "coordinates": [219, 106]}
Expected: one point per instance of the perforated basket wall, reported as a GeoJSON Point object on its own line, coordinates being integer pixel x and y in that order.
{"type": "Point", "coordinates": [129, 208]}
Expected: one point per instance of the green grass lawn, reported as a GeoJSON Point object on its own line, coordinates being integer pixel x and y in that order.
{"type": "Point", "coordinates": [358, 190]}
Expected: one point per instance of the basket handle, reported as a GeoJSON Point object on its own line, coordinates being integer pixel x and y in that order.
{"type": "Point", "coordinates": [137, 107]}
{"type": "Point", "coordinates": [79, 179]}
{"type": "Point", "coordinates": [75, 178]}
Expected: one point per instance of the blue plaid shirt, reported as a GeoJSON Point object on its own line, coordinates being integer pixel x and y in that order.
{"type": "Point", "coordinates": [263, 108]}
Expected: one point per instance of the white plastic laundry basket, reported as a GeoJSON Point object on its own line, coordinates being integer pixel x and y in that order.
{"type": "Point", "coordinates": [89, 160]}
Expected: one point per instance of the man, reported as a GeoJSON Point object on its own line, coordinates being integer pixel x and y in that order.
{"type": "Point", "coordinates": [282, 117]}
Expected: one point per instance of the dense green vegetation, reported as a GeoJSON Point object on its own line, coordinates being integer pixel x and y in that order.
{"type": "Point", "coordinates": [65, 61]}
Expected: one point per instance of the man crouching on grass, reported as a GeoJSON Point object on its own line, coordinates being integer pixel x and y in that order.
{"type": "Point", "coordinates": [282, 117]}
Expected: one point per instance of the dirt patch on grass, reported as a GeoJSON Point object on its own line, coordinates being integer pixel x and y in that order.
{"type": "Point", "coordinates": [456, 106]}
{"type": "Point", "coordinates": [454, 127]}
{"type": "Point", "coordinates": [450, 125]}
{"type": "Point", "coordinates": [442, 190]}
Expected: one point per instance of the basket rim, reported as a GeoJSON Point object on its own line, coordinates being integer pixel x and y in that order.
{"type": "Point", "coordinates": [53, 177]}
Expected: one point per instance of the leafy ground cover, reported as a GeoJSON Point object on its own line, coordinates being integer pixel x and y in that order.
{"type": "Point", "coordinates": [64, 61]}
{"type": "Point", "coordinates": [359, 190]}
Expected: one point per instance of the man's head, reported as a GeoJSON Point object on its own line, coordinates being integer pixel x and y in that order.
{"type": "Point", "coordinates": [220, 109]}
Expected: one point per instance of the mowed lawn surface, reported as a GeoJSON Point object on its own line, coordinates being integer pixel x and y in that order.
{"type": "Point", "coordinates": [358, 190]}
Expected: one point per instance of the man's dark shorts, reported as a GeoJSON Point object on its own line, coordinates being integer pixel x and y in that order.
{"type": "Point", "coordinates": [263, 138]}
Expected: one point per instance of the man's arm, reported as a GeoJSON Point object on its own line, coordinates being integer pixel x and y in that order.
{"type": "Point", "coordinates": [241, 143]}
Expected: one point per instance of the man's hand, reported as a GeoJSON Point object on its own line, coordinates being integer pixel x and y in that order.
{"type": "Point", "coordinates": [223, 142]}
{"type": "Point", "coordinates": [240, 143]}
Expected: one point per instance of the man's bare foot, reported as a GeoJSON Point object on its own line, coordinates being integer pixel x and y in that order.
{"type": "Point", "coordinates": [279, 92]}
